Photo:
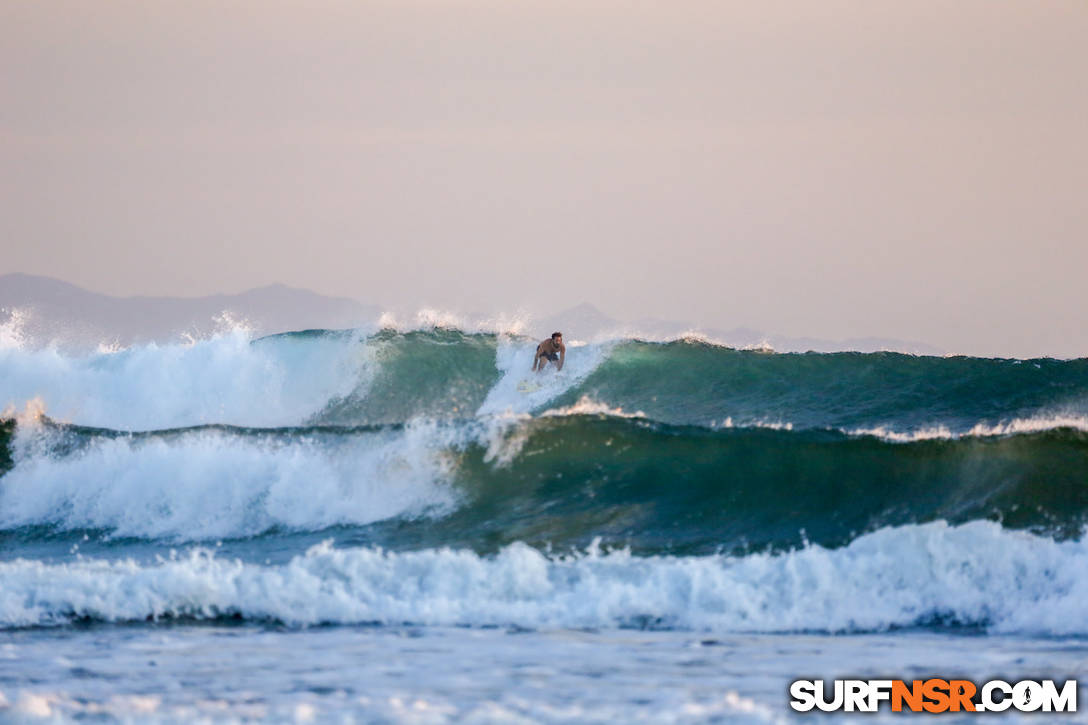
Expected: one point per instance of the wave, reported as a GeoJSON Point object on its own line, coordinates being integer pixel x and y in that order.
{"type": "Point", "coordinates": [227, 379]}
{"type": "Point", "coordinates": [656, 487]}
{"type": "Point", "coordinates": [976, 575]}
{"type": "Point", "coordinates": [694, 383]}
{"type": "Point", "coordinates": [558, 479]}
{"type": "Point", "coordinates": [352, 378]}
{"type": "Point", "coordinates": [423, 438]}
{"type": "Point", "coordinates": [217, 482]}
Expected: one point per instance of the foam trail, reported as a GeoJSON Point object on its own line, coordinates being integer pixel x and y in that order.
{"type": "Point", "coordinates": [974, 574]}
{"type": "Point", "coordinates": [514, 358]}
{"type": "Point", "coordinates": [211, 483]}
{"type": "Point", "coordinates": [228, 379]}
{"type": "Point", "coordinates": [1035, 424]}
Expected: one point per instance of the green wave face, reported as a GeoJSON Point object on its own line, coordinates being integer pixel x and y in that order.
{"type": "Point", "coordinates": [447, 374]}
{"type": "Point", "coordinates": [658, 488]}
{"type": "Point", "coordinates": [694, 383]}
{"type": "Point", "coordinates": [435, 374]}
{"type": "Point", "coordinates": [565, 481]}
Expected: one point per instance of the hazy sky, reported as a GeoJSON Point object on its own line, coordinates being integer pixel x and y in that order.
{"type": "Point", "coordinates": [908, 169]}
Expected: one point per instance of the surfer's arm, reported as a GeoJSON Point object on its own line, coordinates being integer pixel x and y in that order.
{"type": "Point", "coordinates": [562, 357]}
{"type": "Point", "coordinates": [536, 358]}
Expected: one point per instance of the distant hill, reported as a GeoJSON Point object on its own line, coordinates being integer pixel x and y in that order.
{"type": "Point", "coordinates": [53, 310]}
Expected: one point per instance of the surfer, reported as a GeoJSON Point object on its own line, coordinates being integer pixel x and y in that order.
{"type": "Point", "coordinates": [550, 350]}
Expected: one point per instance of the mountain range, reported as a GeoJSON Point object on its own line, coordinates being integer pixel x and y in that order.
{"type": "Point", "coordinates": [52, 311]}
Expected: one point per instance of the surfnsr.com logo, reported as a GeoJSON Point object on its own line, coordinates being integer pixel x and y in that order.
{"type": "Point", "coordinates": [934, 695]}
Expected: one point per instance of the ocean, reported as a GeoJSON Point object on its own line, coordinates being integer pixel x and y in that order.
{"type": "Point", "coordinates": [377, 526]}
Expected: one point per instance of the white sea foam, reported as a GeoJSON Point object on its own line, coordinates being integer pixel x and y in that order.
{"type": "Point", "coordinates": [12, 329]}
{"type": "Point", "coordinates": [588, 406]}
{"type": "Point", "coordinates": [429, 318]}
{"type": "Point", "coordinates": [211, 483]}
{"type": "Point", "coordinates": [514, 357]}
{"type": "Point", "coordinates": [1034, 424]}
{"type": "Point", "coordinates": [226, 379]}
{"type": "Point", "coordinates": [762, 346]}
{"type": "Point", "coordinates": [728, 422]}
{"type": "Point", "coordinates": [505, 434]}
{"type": "Point", "coordinates": [976, 573]}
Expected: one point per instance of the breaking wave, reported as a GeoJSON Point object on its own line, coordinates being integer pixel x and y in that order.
{"type": "Point", "coordinates": [976, 575]}
{"type": "Point", "coordinates": [558, 479]}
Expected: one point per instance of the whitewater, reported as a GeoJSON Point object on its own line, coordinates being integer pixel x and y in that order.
{"type": "Point", "coordinates": [377, 525]}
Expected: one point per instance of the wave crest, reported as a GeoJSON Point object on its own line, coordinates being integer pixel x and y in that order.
{"type": "Point", "coordinates": [975, 575]}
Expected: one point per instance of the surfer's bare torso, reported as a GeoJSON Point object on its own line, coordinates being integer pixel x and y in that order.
{"type": "Point", "coordinates": [550, 350]}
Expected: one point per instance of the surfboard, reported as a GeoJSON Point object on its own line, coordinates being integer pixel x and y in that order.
{"type": "Point", "coordinates": [528, 386]}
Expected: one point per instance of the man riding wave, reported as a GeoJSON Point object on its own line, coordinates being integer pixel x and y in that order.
{"type": "Point", "coordinates": [550, 350]}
